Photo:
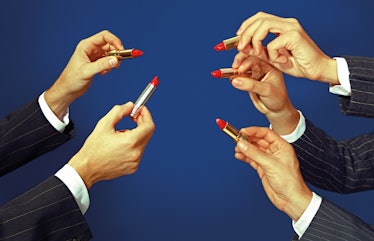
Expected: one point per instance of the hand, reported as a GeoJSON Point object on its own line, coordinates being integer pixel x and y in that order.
{"type": "Point", "coordinates": [86, 61]}
{"type": "Point", "coordinates": [292, 51]}
{"type": "Point", "coordinates": [276, 163]}
{"type": "Point", "coordinates": [109, 153]}
{"type": "Point", "coordinates": [268, 93]}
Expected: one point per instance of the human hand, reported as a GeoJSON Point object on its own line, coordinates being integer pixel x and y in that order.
{"type": "Point", "coordinates": [268, 93]}
{"type": "Point", "coordinates": [87, 60]}
{"type": "Point", "coordinates": [292, 51]}
{"type": "Point", "coordinates": [109, 153]}
{"type": "Point", "coordinates": [277, 166]}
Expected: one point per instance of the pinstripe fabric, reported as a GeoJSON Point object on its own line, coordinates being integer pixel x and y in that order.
{"type": "Point", "coordinates": [361, 76]}
{"type": "Point", "coordinates": [48, 211]}
{"type": "Point", "coordinates": [333, 223]}
{"type": "Point", "coordinates": [26, 134]}
{"type": "Point", "coordinates": [341, 166]}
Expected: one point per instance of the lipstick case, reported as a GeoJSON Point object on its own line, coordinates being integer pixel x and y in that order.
{"type": "Point", "coordinates": [121, 54]}
{"type": "Point", "coordinates": [231, 42]}
{"type": "Point", "coordinates": [234, 133]}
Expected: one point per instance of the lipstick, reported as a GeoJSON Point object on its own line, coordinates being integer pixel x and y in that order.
{"type": "Point", "coordinates": [227, 44]}
{"type": "Point", "coordinates": [144, 96]}
{"type": "Point", "coordinates": [126, 53]}
{"type": "Point", "coordinates": [228, 73]}
{"type": "Point", "coordinates": [230, 130]}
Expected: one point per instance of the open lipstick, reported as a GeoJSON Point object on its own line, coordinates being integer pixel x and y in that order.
{"type": "Point", "coordinates": [227, 44]}
{"type": "Point", "coordinates": [230, 130]}
{"type": "Point", "coordinates": [126, 53]}
{"type": "Point", "coordinates": [144, 96]}
{"type": "Point", "coordinates": [229, 73]}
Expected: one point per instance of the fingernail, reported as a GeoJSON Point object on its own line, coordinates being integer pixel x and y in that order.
{"type": "Point", "coordinates": [240, 45]}
{"type": "Point", "coordinates": [113, 62]}
{"type": "Point", "coordinates": [242, 146]}
{"type": "Point", "coordinates": [236, 82]}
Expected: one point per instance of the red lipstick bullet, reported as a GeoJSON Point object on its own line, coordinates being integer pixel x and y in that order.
{"type": "Point", "coordinates": [229, 73]}
{"type": "Point", "coordinates": [230, 130]}
{"type": "Point", "coordinates": [227, 44]}
{"type": "Point", "coordinates": [126, 53]}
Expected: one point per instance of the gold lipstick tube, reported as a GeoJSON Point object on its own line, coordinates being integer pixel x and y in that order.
{"type": "Point", "coordinates": [231, 42]}
{"type": "Point", "coordinates": [234, 133]}
{"type": "Point", "coordinates": [121, 54]}
{"type": "Point", "coordinates": [229, 72]}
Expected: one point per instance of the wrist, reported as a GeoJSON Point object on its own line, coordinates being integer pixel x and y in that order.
{"type": "Point", "coordinates": [57, 102]}
{"type": "Point", "coordinates": [299, 203]}
{"type": "Point", "coordinates": [284, 122]}
{"type": "Point", "coordinates": [330, 71]}
{"type": "Point", "coordinates": [80, 165]}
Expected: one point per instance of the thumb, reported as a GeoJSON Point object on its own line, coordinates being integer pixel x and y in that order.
{"type": "Point", "coordinates": [103, 64]}
{"type": "Point", "coordinates": [253, 153]}
{"type": "Point", "coordinates": [117, 113]}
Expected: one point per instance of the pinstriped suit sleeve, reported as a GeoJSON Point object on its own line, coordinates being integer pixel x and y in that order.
{"type": "Point", "coordinates": [48, 211]}
{"type": "Point", "coordinates": [26, 134]}
{"type": "Point", "coordinates": [361, 77]}
{"type": "Point", "coordinates": [334, 223]}
{"type": "Point", "coordinates": [341, 166]}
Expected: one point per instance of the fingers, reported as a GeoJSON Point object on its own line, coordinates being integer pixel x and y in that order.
{"type": "Point", "coordinates": [252, 85]}
{"type": "Point", "coordinates": [101, 65]}
{"type": "Point", "coordinates": [105, 37]}
{"type": "Point", "coordinates": [144, 122]}
{"type": "Point", "coordinates": [238, 60]}
{"type": "Point", "coordinates": [144, 116]}
{"type": "Point", "coordinates": [253, 154]}
{"type": "Point", "coordinates": [116, 114]}
{"type": "Point", "coordinates": [250, 20]}
{"type": "Point", "coordinates": [279, 49]}
{"type": "Point", "coordinates": [255, 29]}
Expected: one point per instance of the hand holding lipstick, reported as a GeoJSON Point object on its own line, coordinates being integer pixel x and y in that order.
{"type": "Point", "coordinates": [292, 51]}
{"type": "Point", "coordinates": [268, 93]}
{"type": "Point", "coordinates": [86, 62]}
{"type": "Point", "coordinates": [109, 153]}
{"type": "Point", "coordinates": [277, 166]}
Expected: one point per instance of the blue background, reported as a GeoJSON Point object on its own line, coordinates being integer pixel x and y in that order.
{"type": "Point", "coordinates": [189, 186]}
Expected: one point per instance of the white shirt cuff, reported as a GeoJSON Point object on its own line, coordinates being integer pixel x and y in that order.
{"type": "Point", "coordinates": [304, 221]}
{"type": "Point", "coordinates": [343, 75]}
{"type": "Point", "coordinates": [298, 132]}
{"type": "Point", "coordinates": [51, 117]}
{"type": "Point", "coordinates": [74, 182]}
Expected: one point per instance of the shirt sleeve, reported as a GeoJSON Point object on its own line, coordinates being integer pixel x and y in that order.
{"type": "Point", "coordinates": [343, 75]}
{"type": "Point", "coordinates": [51, 117]}
{"type": "Point", "coordinates": [67, 174]}
{"type": "Point", "coordinates": [74, 182]}
{"type": "Point", "coordinates": [298, 132]}
{"type": "Point", "coordinates": [304, 221]}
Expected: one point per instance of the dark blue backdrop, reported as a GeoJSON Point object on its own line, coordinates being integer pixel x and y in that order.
{"type": "Point", "coordinates": [189, 185]}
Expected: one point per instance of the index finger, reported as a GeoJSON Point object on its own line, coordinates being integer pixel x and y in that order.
{"type": "Point", "coordinates": [144, 118]}
{"type": "Point", "coordinates": [104, 37]}
{"type": "Point", "coordinates": [250, 20]}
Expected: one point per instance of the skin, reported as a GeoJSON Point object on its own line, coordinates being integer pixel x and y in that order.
{"type": "Point", "coordinates": [292, 50]}
{"type": "Point", "coordinates": [277, 166]}
{"type": "Point", "coordinates": [267, 90]}
{"type": "Point", "coordinates": [109, 153]}
{"type": "Point", "coordinates": [86, 61]}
